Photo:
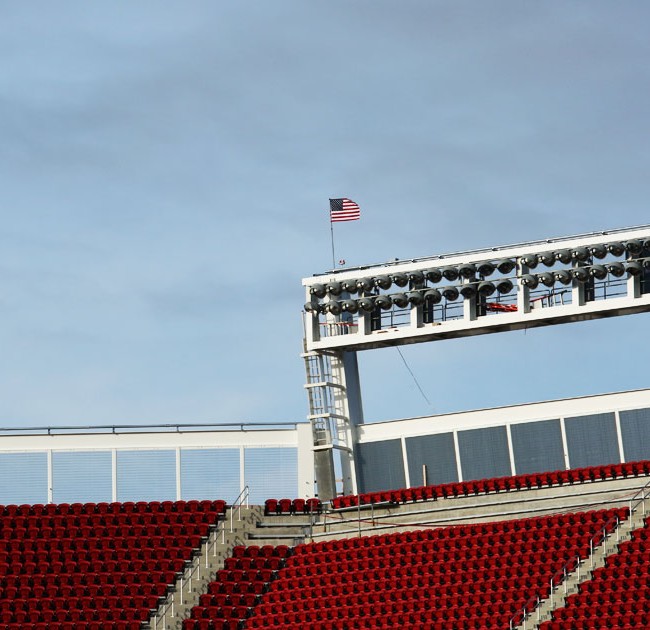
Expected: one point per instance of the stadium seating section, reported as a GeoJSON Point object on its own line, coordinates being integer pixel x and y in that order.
{"type": "Point", "coordinates": [109, 566]}
{"type": "Point", "coordinates": [471, 576]}
{"type": "Point", "coordinates": [94, 566]}
{"type": "Point", "coordinates": [496, 484]}
{"type": "Point", "coordinates": [618, 594]}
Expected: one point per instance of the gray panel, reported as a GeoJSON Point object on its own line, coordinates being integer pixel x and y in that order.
{"type": "Point", "coordinates": [23, 478]}
{"type": "Point", "coordinates": [484, 453]}
{"type": "Point", "coordinates": [271, 473]}
{"type": "Point", "coordinates": [210, 473]}
{"type": "Point", "coordinates": [591, 440]}
{"type": "Point", "coordinates": [537, 446]}
{"type": "Point", "coordinates": [146, 475]}
{"type": "Point", "coordinates": [437, 453]}
{"type": "Point", "coordinates": [635, 430]}
{"type": "Point", "coordinates": [82, 477]}
{"type": "Point", "coordinates": [380, 465]}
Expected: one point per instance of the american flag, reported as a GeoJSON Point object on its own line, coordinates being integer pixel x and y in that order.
{"type": "Point", "coordinates": [344, 210]}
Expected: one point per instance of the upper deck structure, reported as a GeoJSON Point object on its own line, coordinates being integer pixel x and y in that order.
{"type": "Point", "coordinates": [538, 283]}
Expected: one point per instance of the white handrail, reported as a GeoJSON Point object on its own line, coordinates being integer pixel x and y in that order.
{"type": "Point", "coordinates": [238, 504]}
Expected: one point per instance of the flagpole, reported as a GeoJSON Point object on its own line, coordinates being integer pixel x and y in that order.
{"type": "Point", "coordinates": [332, 233]}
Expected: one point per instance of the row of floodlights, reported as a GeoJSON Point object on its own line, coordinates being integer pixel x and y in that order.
{"type": "Point", "coordinates": [415, 278]}
{"type": "Point", "coordinates": [469, 271]}
{"type": "Point", "coordinates": [411, 298]}
{"type": "Point", "coordinates": [471, 289]}
{"type": "Point", "coordinates": [583, 274]}
{"type": "Point", "coordinates": [583, 254]}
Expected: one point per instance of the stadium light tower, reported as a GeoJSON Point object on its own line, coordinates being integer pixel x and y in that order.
{"type": "Point", "coordinates": [532, 284]}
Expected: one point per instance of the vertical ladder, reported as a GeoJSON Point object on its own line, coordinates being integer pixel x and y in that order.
{"type": "Point", "coordinates": [328, 416]}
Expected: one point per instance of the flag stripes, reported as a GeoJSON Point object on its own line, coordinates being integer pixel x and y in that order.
{"type": "Point", "coordinates": [344, 210]}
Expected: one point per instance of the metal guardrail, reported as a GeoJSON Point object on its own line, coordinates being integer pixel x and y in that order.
{"type": "Point", "coordinates": [151, 428]}
{"type": "Point", "coordinates": [575, 562]}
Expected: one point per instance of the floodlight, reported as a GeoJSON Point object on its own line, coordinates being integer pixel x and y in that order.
{"type": "Point", "coordinates": [450, 293]}
{"type": "Point", "coordinates": [450, 273]}
{"type": "Point", "coordinates": [616, 248]}
{"type": "Point", "coordinates": [383, 282]}
{"type": "Point", "coordinates": [319, 290]}
{"type": "Point", "coordinates": [546, 278]}
{"type": "Point", "coordinates": [504, 286]}
{"type": "Point", "coordinates": [547, 258]}
{"type": "Point", "coordinates": [467, 271]}
{"type": "Point", "coordinates": [334, 288]}
{"type": "Point", "coordinates": [598, 251]}
{"type": "Point", "coordinates": [433, 295]}
{"type": "Point", "coordinates": [485, 269]}
{"type": "Point", "coordinates": [505, 265]}
{"type": "Point", "coordinates": [598, 271]}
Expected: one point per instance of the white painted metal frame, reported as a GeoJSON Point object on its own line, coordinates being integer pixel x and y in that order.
{"type": "Point", "coordinates": [361, 337]}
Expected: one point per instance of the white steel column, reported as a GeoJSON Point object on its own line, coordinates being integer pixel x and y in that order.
{"type": "Point", "coordinates": [242, 469]}
{"type": "Point", "coordinates": [306, 489]}
{"type": "Point", "coordinates": [50, 478]}
{"type": "Point", "coordinates": [114, 475]}
{"type": "Point", "coordinates": [565, 448]}
{"type": "Point", "coordinates": [619, 436]}
{"type": "Point", "coordinates": [459, 468]}
{"type": "Point", "coordinates": [511, 451]}
{"type": "Point", "coordinates": [178, 474]}
{"type": "Point", "coordinates": [523, 292]}
{"type": "Point", "coordinates": [405, 458]}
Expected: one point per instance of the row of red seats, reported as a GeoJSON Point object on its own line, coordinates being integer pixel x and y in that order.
{"type": "Point", "coordinates": [49, 616]}
{"type": "Point", "coordinates": [29, 538]}
{"type": "Point", "coordinates": [233, 599]}
{"type": "Point", "coordinates": [385, 617]}
{"type": "Point", "coordinates": [81, 581]}
{"type": "Point", "coordinates": [131, 538]}
{"type": "Point", "coordinates": [143, 540]}
{"type": "Point", "coordinates": [54, 589]}
{"type": "Point", "coordinates": [258, 563]}
{"type": "Point", "coordinates": [84, 566]}
{"type": "Point", "coordinates": [106, 520]}
{"type": "Point", "coordinates": [127, 507]}
{"type": "Point", "coordinates": [629, 621]}
{"type": "Point", "coordinates": [210, 624]}
{"type": "Point", "coordinates": [105, 551]}
{"type": "Point", "coordinates": [76, 625]}
{"type": "Point", "coordinates": [79, 603]}
{"type": "Point", "coordinates": [497, 484]}
{"type": "Point", "coordinates": [293, 506]}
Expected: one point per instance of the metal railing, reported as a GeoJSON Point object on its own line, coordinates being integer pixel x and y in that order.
{"type": "Point", "coordinates": [575, 562]}
{"type": "Point", "coordinates": [216, 537]}
{"type": "Point", "coordinates": [151, 428]}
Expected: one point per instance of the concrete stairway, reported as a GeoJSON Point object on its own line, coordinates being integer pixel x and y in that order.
{"type": "Point", "coordinates": [241, 526]}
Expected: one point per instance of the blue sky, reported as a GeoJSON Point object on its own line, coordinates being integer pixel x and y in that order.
{"type": "Point", "coordinates": [165, 170]}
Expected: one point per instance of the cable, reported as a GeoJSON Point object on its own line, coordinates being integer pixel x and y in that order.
{"type": "Point", "coordinates": [414, 379]}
